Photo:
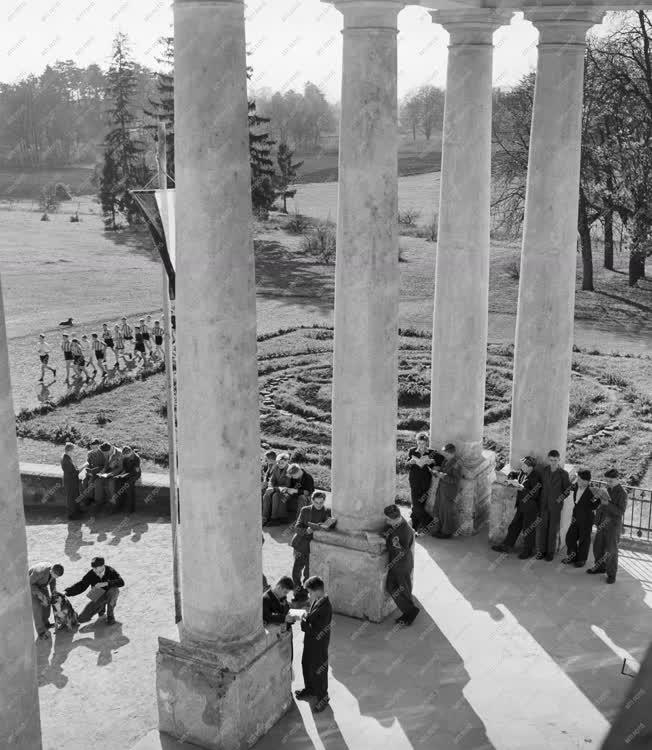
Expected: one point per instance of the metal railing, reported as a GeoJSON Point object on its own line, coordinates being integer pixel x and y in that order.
{"type": "Point", "coordinates": [637, 521]}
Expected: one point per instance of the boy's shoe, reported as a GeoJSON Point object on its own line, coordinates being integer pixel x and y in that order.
{"type": "Point", "coordinates": [611, 579]}
{"type": "Point", "coordinates": [525, 556]}
{"type": "Point", "coordinates": [595, 571]}
{"type": "Point", "coordinates": [579, 564]}
{"type": "Point", "coordinates": [568, 560]}
{"type": "Point", "coordinates": [500, 548]}
{"type": "Point", "coordinates": [539, 556]}
{"type": "Point", "coordinates": [110, 620]}
{"type": "Point", "coordinates": [303, 695]}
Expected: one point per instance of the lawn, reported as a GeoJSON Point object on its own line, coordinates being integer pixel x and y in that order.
{"type": "Point", "coordinates": [295, 371]}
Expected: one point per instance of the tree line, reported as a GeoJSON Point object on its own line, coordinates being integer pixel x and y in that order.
{"type": "Point", "coordinates": [615, 195]}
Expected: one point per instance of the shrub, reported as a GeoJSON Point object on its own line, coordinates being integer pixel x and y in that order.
{"type": "Point", "coordinates": [613, 378]}
{"type": "Point", "coordinates": [432, 229]}
{"type": "Point", "coordinates": [408, 217]}
{"type": "Point", "coordinates": [48, 199]}
{"type": "Point", "coordinates": [102, 419]}
{"type": "Point", "coordinates": [497, 413]}
{"type": "Point", "coordinates": [297, 224]}
{"type": "Point", "coordinates": [320, 242]}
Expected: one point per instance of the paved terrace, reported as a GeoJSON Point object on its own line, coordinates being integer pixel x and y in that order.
{"type": "Point", "coordinates": [505, 655]}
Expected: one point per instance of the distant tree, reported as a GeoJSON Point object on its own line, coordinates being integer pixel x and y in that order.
{"type": "Point", "coordinates": [122, 146]}
{"type": "Point", "coordinates": [161, 107]}
{"type": "Point", "coordinates": [411, 113]}
{"type": "Point", "coordinates": [263, 175]}
{"type": "Point", "coordinates": [287, 174]}
{"type": "Point", "coordinates": [109, 191]}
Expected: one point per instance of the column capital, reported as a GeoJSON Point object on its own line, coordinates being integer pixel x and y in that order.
{"type": "Point", "coordinates": [564, 26]}
{"type": "Point", "coordinates": [472, 25]}
{"type": "Point", "coordinates": [369, 14]}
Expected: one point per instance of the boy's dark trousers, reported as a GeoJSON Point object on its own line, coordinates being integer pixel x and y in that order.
{"type": "Point", "coordinates": [314, 666]}
{"type": "Point", "coordinates": [578, 536]}
{"type": "Point", "coordinates": [525, 520]}
{"type": "Point", "coordinates": [107, 600]}
{"type": "Point", "coordinates": [605, 547]}
{"type": "Point", "coordinates": [301, 565]}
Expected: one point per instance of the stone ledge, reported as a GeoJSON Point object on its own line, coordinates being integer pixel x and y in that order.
{"type": "Point", "coordinates": [372, 543]}
{"type": "Point", "coordinates": [43, 488]}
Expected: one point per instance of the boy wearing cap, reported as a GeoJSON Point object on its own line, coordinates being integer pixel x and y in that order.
{"type": "Point", "coordinates": [105, 582]}
{"type": "Point", "coordinates": [312, 516]}
{"type": "Point", "coordinates": [399, 538]}
{"type": "Point", "coordinates": [528, 484]}
{"type": "Point", "coordinates": [609, 520]}
{"type": "Point", "coordinates": [578, 536]}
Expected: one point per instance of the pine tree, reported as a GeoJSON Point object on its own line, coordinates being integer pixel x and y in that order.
{"type": "Point", "coordinates": [263, 175]}
{"type": "Point", "coordinates": [108, 193]}
{"type": "Point", "coordinates": [287, 173]}
{"type": "Point", "coordinates": [126, 151]}
{"type": "Point", "coordinates": [162, 109]}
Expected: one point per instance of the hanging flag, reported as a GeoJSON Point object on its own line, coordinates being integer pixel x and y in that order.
{"type": "Point", "coordinates": [157, 209]}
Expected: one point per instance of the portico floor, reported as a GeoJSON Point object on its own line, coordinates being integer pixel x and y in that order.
{"type": "Point", "coordinates": [505, 655]}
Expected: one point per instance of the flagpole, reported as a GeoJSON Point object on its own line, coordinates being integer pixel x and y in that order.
{"type": "Point", "coordinates": [169, 380]}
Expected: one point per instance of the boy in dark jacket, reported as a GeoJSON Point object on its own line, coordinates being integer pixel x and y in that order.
{"type": "Point", "coordinates": [556, 486]}
{"type": "Point", "coordinates": [609, 520]}
{"type": "Point", "coordinates": [527, 510]}
{"type": "Point", "coordinates": [316, 624]}
{"type": "Point", "coordinates": [313, 516]}
{"type": "Point", "coordinates": [127, 480]}
{"type": "Point", "coordinates": [99, 577]}
{"type": "Point", "coordinates": [276, 610]}
{"type": "Point", "coordinates": [578, 536]}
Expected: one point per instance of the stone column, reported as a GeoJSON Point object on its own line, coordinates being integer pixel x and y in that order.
{"type": "Point", "coordinates": [365, 370]}
{"type": "Point", "coordinates": [20, 721]}
{"type": "Point", "coordinates": [546, 299]}
{"type": "Point", "coordinates": [224, 652]}
{"type": "Point", "coordinates": [460, 320]}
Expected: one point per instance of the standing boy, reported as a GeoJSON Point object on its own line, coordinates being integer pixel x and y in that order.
{"type": "Point", "coordinates": [88, 353]}
{"type": "Point", "coordinates": [139, 345]}
{"type": "Point", "coordinates": [316, 624]}
{"type": "Point", "coordinates": [66, 348]}
{"type": "Point", "coordinates": [41, 577]}
{"type": "Point", "coordinates": [119, 347]}
{"type": "Point", "coordinates": [449, 475]}
{"type": "Point", "coordinates": [157, 332]}
{"type": "Point", "coordinates": [420, 459]}
{"type": "Point", "coordinates": [313, 516]}
{"type": "Point", "coordinates": [44, 356]}
{"type": "Point", "coordinates": [609, 520]}
{"type": "Point", "coordinates": [556, 485]}
{"type": "Point", "coordinates": [145, 328]}
{"type": "Point", "coordinates": [109, 343]}
{"type": "Point", "coordinates": [578, 536]}
{"type": "Point", "coordinates": [525, 519]}
{"type": "Point", "coordinates": [399, 538]}
{"type": "Point", "coordinates": [99, 349]}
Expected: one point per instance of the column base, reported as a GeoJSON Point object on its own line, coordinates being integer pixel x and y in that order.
{"type": "Point", "coordinates": [353, 567]}
{"type": "Point", "coordinates": [503, 502]}
{"type": "Point", "coordinates": [205, 698]}
{"type": "Point", "coordinates": [479, 473]}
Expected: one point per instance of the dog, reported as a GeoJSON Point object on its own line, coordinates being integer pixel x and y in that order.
{"type": "Point", "coordinates": [66, 322]}
{"type": "Point", "coordinates": [64, 613]}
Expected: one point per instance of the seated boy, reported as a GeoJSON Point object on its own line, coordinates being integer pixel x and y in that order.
{"type": "Point", "coordinates": [313, 516]}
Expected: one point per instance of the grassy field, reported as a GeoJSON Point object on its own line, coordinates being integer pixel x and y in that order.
{"type": "Point", "coordinates": [56, 269]}
{"type": "Point", "coordinates": [295, 371]}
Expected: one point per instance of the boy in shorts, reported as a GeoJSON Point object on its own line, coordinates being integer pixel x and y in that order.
{"type": "Point", "coordinates": [157, 332]}
{"type": "Point", "coordinates": [119, 343]}
{"type": "Point", "coordinates": [139, 345]}
{"type": "Point", "coordinates": [145, 328]}
{"type": "Point", "coordinates": [67, 354]}
{"type": "Point", "coordinates": [87, 352]}
{"type": "Point", "coordinates": [99, 348]}
{"type": "Point", "coordinates": [78, 360]}
{"type": "Point", "coordinates": [107, 337]}
{"type": "Point", "coordinates": [44, 355]}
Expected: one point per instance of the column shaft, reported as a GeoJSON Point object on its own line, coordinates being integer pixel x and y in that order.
{"type": "Point", "coordinates": [546, 299]}
{"type": "Point", "coordinates": [459, 336]}
{"type": "Point", "coordinates": [367, 275]}
{"type": "Point", "coordinates": [219, 440]}
{"type": "Point", "coordinates": [20, 723]}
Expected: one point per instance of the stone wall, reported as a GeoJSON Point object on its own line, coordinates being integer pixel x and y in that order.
{"type": "Point", "coordinates": [43, 488]}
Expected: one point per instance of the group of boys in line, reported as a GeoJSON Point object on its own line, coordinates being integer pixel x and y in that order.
{"type": "Point", "coordinates": [111, 476]}
{"type": "Point", "coordinates": [80, 354]}
{"type": "Point", "coordinates": [539, 500]}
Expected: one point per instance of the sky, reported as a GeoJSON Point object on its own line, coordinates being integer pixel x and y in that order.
{"type": "Point", "coordinates": [291, 41]}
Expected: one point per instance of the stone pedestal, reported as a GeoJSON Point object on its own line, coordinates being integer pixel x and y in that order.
{"type": "Point", "coordinates": [353, 566]}
{"type": "Point", "coordinates": [503, 502]}
{"type": "Point", "coordinates": [20, 723]}
{"type": "Point", "coordinates": [220, 700]}
{"type": "Point", "coordinates": [546, 298]}
{"type": "Point", "coordinates": [475, 494]}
